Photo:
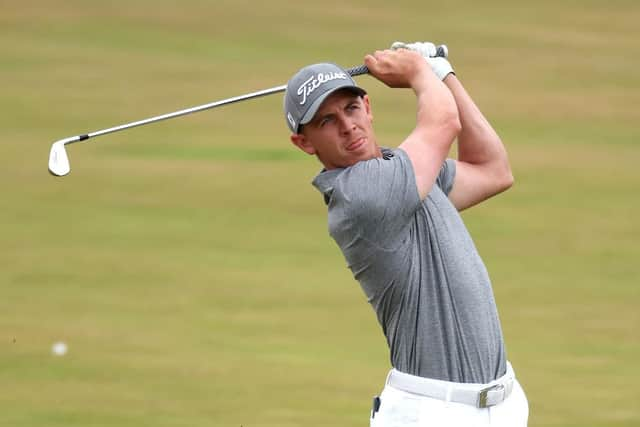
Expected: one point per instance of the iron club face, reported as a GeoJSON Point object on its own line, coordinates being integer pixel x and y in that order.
{"type": "Point", "coordinates": [58, 160]}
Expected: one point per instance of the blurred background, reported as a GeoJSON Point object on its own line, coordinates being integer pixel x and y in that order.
{"type": "Point", "coordinates": [187, 265]}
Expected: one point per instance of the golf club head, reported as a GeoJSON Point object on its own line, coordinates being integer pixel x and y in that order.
{"type": "Point", "coordinates": [58, 160]}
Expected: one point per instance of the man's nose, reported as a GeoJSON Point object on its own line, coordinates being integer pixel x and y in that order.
{"type": "Point", "coordinates": [346, 124]}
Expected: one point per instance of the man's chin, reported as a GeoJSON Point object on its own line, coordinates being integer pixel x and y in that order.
{"type": "Point", "coordinates": [352, 157]}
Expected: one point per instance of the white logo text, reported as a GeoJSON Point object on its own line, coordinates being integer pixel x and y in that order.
{"type": "Point", "coordinates": [314, 82]}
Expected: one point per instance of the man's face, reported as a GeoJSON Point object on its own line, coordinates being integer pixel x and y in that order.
{"type": "Point", "coordinates": [341, 132]}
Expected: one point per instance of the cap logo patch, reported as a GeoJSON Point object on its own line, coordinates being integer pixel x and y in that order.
{"type": "Point", "coordinates": [314, 82]}
{"type": "Point", "coordinates": [291, 120]}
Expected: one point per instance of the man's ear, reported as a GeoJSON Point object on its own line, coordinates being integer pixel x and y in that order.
{"type": "Point", "coordinates": [300, 141]}
{"type": "Point", "coordinates": [367, 106]}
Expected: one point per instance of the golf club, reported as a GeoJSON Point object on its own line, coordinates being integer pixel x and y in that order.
{"type": "Point", "coordinates": [59, 161]}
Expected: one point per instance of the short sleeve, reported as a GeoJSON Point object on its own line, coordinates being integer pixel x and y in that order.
{"type": "Point", "coordinates": [374, 200]}
{"type": "Point", "coordinates": [446, 176]}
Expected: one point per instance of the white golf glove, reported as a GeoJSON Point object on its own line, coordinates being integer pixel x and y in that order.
{"type": "Point", "coordinates": [440, 66]}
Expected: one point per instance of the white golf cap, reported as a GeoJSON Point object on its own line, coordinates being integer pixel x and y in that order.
{"type": "Point", "coordinates": [309, 87]}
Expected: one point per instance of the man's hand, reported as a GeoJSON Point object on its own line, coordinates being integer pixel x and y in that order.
{"type": "Point", "coordinates": [398, 69]}
{"type": "Point", "coordinates": [440, 66]}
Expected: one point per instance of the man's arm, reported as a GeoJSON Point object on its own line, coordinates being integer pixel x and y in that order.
{"type": "Point", "coordinates": [437, 121]}
{"type": "Point", "coordinates": [482, 168]}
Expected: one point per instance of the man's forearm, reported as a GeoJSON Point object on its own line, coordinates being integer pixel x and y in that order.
{"type": "Point", "coordinates": [436, 106]}
{"type": "Point", "coordinates": [478, 143]}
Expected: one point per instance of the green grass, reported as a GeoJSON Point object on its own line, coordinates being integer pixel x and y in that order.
{"type": "Point", "coordinates": [187, 263]}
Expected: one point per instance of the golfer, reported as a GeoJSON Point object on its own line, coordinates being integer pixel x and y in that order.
{"type": "Point", "coordinates": [394, 214]}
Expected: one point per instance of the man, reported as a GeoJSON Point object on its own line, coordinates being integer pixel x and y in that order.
{"type": "Point", "coordinates": [394, 215]}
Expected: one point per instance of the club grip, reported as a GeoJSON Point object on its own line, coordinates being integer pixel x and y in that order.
{"type": "Point", "coordinates": [441, 51]}
{"type": "Point", "coordinates": [358, 71]}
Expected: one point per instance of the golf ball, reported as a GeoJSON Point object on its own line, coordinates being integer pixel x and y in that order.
{"type": "Point", "coordinates": [59, 349]}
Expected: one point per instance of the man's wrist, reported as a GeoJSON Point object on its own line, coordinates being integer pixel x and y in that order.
{"type": "Point", "coordinates": [440, 66]}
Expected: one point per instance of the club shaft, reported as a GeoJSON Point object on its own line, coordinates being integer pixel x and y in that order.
{"type": "Point", "coordinates": [187, 111]}
{"type": "Point", "coordinates": [354, 71]}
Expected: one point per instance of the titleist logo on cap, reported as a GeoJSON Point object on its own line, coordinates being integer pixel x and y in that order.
{"type": "Point", "coordinates": [313, 82]}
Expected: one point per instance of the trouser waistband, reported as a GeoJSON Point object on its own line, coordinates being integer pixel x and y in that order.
{"type": "Point", "coordinates": [478, 395]}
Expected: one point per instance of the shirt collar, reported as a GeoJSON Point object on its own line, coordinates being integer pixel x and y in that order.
{"type": "Point", "coordinates": [326, 179]}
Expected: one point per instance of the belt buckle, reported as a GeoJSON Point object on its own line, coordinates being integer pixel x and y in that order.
{"type": "Point", "coordinates": [483, 395]}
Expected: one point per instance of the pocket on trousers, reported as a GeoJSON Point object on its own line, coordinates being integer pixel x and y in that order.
{"type": "Point", "coordinates": [396, 411]}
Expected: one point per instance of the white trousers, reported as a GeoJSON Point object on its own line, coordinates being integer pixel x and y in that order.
{"type": "Point", "coordinates": [402, 409]}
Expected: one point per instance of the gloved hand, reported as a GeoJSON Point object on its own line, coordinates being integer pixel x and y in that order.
{"type": "Point", "coordinates": [440, 66]}
{"type": "Point", "coordinates": [426, 49]}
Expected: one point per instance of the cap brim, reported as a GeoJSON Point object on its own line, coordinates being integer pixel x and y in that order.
{"type": "Point", "coordinates": [315, 106]}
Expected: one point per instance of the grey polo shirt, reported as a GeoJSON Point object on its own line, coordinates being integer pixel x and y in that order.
{"type": "Point", "coordinates": [418, 267]}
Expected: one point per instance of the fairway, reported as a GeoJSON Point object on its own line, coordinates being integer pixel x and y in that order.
{"type": "Point", "coordinates": [187, 264]}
